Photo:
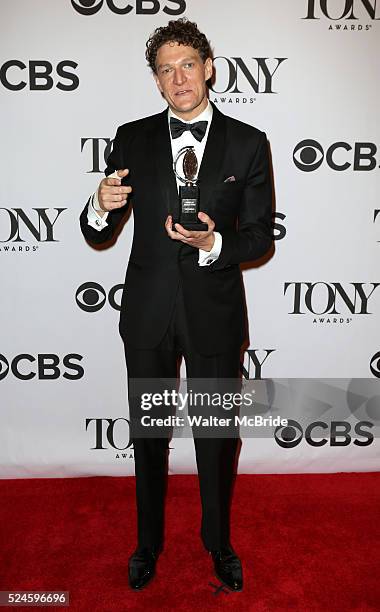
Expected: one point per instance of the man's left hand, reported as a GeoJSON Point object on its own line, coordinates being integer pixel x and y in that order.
{"type": "Point", "coordinates": [198, 240]}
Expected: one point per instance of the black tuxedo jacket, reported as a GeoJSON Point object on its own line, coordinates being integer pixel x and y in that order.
{"type": "Point", "coordinates": [241, 209]}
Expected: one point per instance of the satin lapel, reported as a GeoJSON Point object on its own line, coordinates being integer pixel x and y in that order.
{"type": "Point", "coordinates": [162, 152]}
{"type": "Point", "coordinates": [211, 166]}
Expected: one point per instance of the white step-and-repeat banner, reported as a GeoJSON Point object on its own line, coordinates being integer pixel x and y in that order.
{"type": "Point", "coordinates": [305, 72]}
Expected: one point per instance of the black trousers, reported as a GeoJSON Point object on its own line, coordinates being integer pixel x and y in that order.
{"type": "Point", "coordinates": [215, 456]}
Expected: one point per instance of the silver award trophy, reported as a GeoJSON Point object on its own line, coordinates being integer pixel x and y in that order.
{"type": "Point", "coordinates": [189, 192]}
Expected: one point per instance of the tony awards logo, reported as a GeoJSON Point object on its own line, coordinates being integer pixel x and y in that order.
{"type": "Point", "coordinates": [189, 192]}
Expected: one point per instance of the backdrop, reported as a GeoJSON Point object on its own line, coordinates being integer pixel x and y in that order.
{"type": "Point", "coordinates": [305, 72]}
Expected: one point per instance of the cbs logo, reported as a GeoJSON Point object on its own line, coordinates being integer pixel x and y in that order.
{"type": "Point", "coordinates": [308, 155]}
{"type": "Point", "coordinates": [338, 433]}
{"type": "Point", "coordinates": [143, 7]}
{"type": "Point", "coordinates": [12, 74]}
{"type": "Point", "coordinates": [45, 366]}
{"type": "Point", "coordinates": [91, 297]}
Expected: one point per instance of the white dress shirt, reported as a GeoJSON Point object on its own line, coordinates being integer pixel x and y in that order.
{"type": "Point", "coordinates": [205, 258]}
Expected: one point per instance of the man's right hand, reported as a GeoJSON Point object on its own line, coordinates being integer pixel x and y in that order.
{"type": "Point", "coordinates": [111, 194]}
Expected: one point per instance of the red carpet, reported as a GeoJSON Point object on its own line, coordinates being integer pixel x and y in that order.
{"type": "Point", "coordinates": [307, 542]}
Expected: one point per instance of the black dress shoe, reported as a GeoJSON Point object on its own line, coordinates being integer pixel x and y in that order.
{"type": "Point", "coordinates": [141, 567]}
{"type": "Point", "coordinates": [228, 568]}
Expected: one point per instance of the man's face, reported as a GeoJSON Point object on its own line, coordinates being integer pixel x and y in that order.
{"type": "Point", "coordinates": [181, 78]}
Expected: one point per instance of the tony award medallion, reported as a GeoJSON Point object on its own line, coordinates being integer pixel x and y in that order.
{"type": "Point", "coordinates": [189, 192]}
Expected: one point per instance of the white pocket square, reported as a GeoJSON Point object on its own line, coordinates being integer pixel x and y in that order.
{"type": "Point", "coordinates": [230, 179]}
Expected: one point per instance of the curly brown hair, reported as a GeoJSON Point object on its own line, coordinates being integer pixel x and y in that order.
{"type": "Point", "coordinates": [182, 31]}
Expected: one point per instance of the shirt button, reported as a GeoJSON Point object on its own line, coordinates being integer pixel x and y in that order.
{"type": "Point", "coordinates": [98, 222]}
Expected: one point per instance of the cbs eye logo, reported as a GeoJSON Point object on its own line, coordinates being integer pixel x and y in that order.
{"type": "Point", "coordinates": [87, 7]}
{"type": "Point", "coordinates": [91, 297]}
{"type": "Point", "coordinates": [374, 365]}
{"type": "Point", "coordinates": [308, 155]}
{"type": "Point", "coordinates": [290, 435]}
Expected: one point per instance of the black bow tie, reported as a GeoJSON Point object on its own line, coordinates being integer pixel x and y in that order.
{"type": "Point", "coordinates": [177, 128]}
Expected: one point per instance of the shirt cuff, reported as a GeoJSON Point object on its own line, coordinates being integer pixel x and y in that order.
{"type": "Point", "coordinates": [206, 258]}
{"type": "Point", "coordinates": [95, 220]}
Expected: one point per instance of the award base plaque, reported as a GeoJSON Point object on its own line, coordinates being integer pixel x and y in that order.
{"type": "Point", "coordinates": [189, 200]}
{"type": "Point", "coordinates": [189, 196]}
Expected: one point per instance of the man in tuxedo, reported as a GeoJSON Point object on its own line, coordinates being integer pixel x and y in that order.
{"type": "Point", "coordinates": [183, 290]}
